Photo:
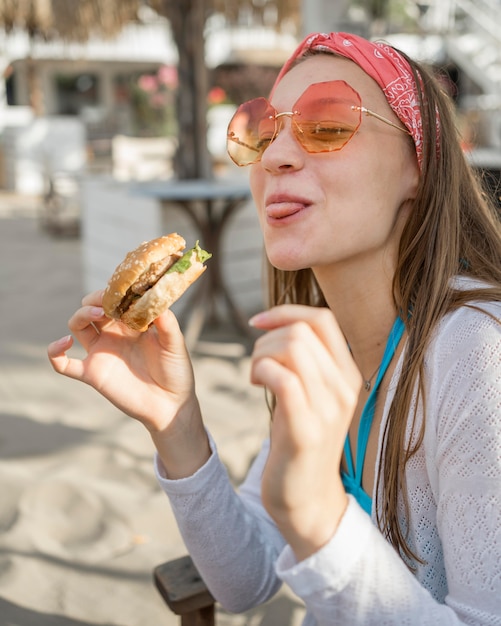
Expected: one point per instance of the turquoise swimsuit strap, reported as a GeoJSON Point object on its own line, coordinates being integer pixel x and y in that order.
{"type": "Point", "coordinates": [354, 475]}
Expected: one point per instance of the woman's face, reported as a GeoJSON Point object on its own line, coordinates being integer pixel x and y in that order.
{"type": "Point", "coordinates": [344, 207]}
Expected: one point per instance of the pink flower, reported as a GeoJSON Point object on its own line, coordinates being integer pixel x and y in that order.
{"type": "Point", "coordinates": [167, 75]}
{"type": "Point", "coordinates": [147, 83]}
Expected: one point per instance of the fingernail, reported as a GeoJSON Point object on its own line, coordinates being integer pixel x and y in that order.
{"type": "Point", "coordinates": [257, 319]}
{"type": "Point", "coordinates": [63, 341]}
{"type": "Point", "coordinates": [96, 311]}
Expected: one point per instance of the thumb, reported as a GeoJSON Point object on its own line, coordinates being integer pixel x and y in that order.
{"type": "Point", "coordinates": [169, 332]}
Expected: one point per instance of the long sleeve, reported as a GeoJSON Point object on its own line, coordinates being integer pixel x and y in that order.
{"type": "Point", "coordinates": [463, 459]}
{"type": "Point", "coordinates": [232, 541]}
{"type": "Point", "coordinates": [358, 579]}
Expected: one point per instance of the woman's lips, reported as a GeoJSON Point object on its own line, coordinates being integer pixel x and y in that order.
{"type": "Point", "coordinates": [281, 207]}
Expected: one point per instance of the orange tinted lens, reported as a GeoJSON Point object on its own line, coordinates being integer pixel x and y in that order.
{"type": "Point", "coordinates": [250, 131]}
{"type": "Point", "coordinates": [327, 115]}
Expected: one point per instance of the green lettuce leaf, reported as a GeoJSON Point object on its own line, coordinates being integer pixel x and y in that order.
{"type": "Point", "coordinates": [182, 264]}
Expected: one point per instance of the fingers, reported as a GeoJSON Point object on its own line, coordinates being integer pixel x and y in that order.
{"type": "Point", "coordinates": [86, 325]}
{"type": "Point", "coordinates": [304, 360]}
{"type": "Point", "coordinates": [84, 316]}
{"type": "Point", "coordinates": [94, 298]}
{"type": "Point", "coordinates": [312, 325]}
{"type": "Point", "coordinates": [289, 390]}
{"type": "Point", "coordinates": [98, 319]}
{"type": "Point", "coordinates": [167, 323]}
{"type": "Point", "coordinates": [320, 320]}
{"type": "Point", "coordinates": [73, 368]}
{"type": "Point", "coordinates": [169, 333]}
{"type": "Point", "coordinates": [301, 354]}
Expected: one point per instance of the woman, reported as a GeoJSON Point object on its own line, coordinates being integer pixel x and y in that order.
{"type": "Point", "coordinates": [379, 498]}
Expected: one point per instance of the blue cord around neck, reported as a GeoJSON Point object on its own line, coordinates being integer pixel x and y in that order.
{"type": "Point", "coordinates": [352, 479]}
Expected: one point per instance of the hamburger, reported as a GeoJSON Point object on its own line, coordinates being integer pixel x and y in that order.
{"type": "Point", "coordinates": [151, 278]}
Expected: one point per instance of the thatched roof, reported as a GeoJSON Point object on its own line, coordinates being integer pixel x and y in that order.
{"type": "Point", "coordinates": [74, 20]}
{"type": "Point", "coordinates": [77, 20]}
{"type": "Point", "coordinates": [271, 13]}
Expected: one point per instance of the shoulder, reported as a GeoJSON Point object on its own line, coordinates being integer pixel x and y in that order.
{"type": "Point", "coordinates": [473, 328]}
{"type": "Point", "coordinates": [463, 368]}
{"type": "Point", "coordinates": [462, 363]}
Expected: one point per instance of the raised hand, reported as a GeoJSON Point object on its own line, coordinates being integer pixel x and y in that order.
{"type": "Point", "coordinates": [304, 361]}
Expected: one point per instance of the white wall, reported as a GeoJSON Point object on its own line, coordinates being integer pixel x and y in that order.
{"type": "Point", "coordinates": [39, 147]}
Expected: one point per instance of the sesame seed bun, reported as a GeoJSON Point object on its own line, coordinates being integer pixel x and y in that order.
{"type": "Point", "coordinates": [142, 287]}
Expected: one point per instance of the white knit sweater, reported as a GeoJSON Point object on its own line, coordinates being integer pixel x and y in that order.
{"type": "Point", "coordinates": [454, 490]}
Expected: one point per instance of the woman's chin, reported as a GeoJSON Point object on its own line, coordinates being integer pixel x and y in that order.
{"type": "Point", "coordinates": [288, 253]}
{"type": "Point", "coordinates": [286, 263]}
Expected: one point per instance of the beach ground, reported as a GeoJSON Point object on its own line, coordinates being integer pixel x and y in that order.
{"type": "Point", "coordinates": [82, 520]}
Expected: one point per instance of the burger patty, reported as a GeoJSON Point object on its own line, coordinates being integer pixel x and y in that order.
{"type": "Point", "coordinates": [147, 280]}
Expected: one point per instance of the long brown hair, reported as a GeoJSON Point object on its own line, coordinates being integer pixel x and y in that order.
{"type": "Point", "coordinates": [453, 230]}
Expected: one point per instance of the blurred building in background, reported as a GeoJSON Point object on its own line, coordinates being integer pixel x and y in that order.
{"type": "Point", "coordinates": [109, 105]}
{"type": "Point", "coordinates": [88, 93]}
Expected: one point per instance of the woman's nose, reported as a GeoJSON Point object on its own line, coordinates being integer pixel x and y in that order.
{"type": "Point", "coordinates": [284, 151]}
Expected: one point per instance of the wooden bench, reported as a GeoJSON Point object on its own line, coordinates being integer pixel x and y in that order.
{"type": "Point", "coordinates": [184, 592]}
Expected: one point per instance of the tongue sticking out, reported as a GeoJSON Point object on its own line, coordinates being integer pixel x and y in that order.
{"type": "Point", "coordinates": [284, 209]}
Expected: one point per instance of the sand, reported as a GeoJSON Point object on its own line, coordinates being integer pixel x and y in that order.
{"type": "Point", "coordinates": [82, 520]}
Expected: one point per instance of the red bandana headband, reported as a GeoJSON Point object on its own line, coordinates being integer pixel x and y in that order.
{"type": "Point", "coordinates": [382, 63]}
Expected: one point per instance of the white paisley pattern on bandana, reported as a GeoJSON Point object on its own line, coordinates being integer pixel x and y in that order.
{"type": "Point", "coordinates": [381, 62]}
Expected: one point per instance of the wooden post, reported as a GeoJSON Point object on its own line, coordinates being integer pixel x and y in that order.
{"type": "Point", "coordinates": [187, 19]}
{"type": "Point", "coordinates": [184, 592]}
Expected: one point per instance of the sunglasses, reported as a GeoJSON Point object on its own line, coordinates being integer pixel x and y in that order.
{"type": "Point", "coordinates": [324, 119]}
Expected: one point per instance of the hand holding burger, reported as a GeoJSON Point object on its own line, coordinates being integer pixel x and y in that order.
{"type": "Point", "coordinates": [147, 376]}
{"type": "Point", "coordinates": [151, 278]}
